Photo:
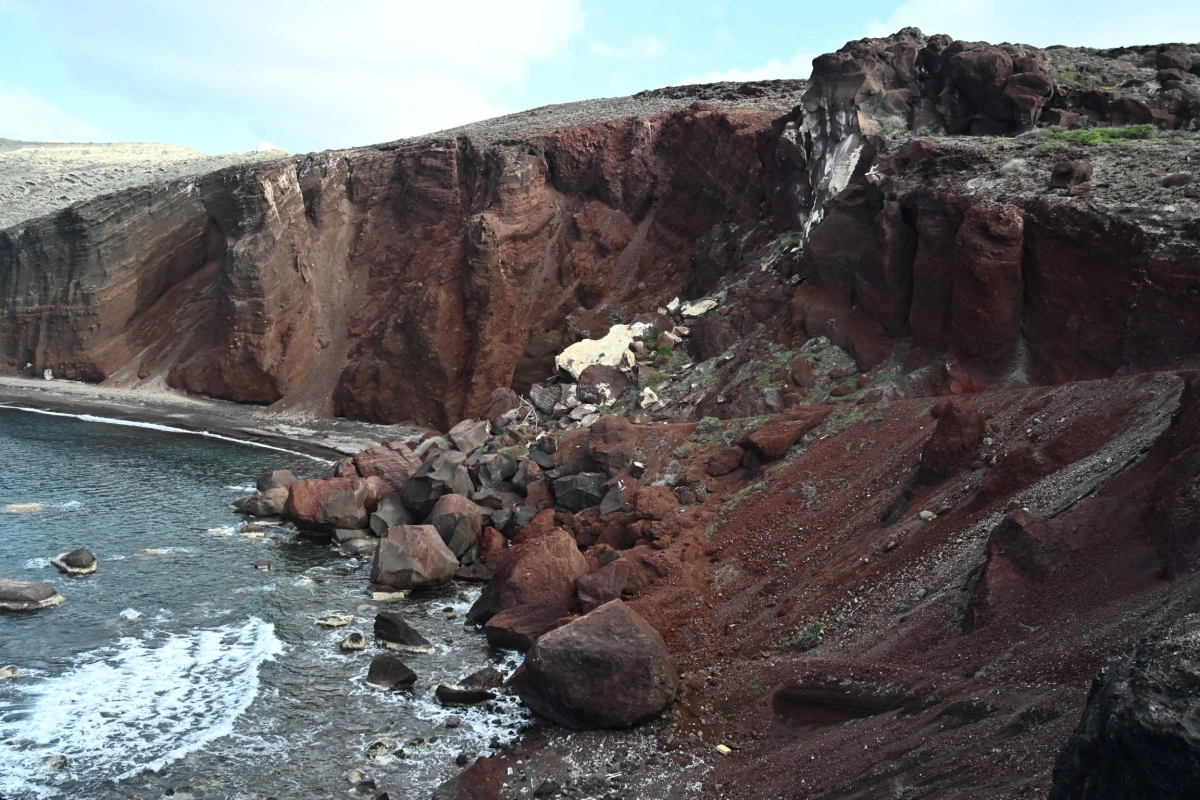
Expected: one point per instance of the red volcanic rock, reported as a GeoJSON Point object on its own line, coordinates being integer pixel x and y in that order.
{"type": "Point", "coordinates": [774, 438]}
{"type": "Point", "coordinates": [517, 628]}
{"type": "Point", "coordinates": [802, 373]}
{"type": "Point", "coordinates": [393, 466]}
{"type": "Point", "coordinates": [611, 443]}
{"type": "Point", "coordinates": [412, 557]}
{"type": "Point", "coordinates": [334, 502]}
{"type": "Point", "coordinates": [601, 385]}
{"type": "Point", "coordinates": [492, 545]}
{"type": "Point", "coordinates": [498, 403]}
{"type": "Point", "coordinates": [656, 502]}
{"type": "Point", "coordinates": [607, 669]}
{"type": "Point", "coordinates": [541, 571]}
{"type": "Point", "coordinates": [956, 438]}
{"type": "Point", "coordinates": [458, 521]}
{"type": "Point", "coordinates": [985, 320]}
{"type": "Point", "coordinates": [480, 781]}
{"type": "Point", "coordinates": [543, 523]}
{"type": "Point", "coordinates": [1016, 552]}
{"type": "Point", "coordinates": [603, 585]}
{"type": "Point", "coordinates": [724, 461]}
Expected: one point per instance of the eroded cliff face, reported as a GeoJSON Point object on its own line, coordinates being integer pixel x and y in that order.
{"type": "Point", "coordinates": [410, 280]}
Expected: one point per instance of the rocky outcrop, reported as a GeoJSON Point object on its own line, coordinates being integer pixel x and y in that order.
{"type": "Point", "coordinates": [412, 557]}
{"type": "Point", "coordinates": [607, 669]}
{"type": "Point", "coordinates": [27, 595]}
{"type": "Point", "coordinates": [1138, 736]}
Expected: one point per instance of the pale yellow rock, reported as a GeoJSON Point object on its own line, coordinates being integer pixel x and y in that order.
{"type": "Point", "coordinates": [698, 308]}
{"type": "Point", "coordinates": [24, 508]}
{"type": "Point", "coordinates": [335, 620]}
{"type": "Point", "coordinates": [723, 750]}
{"type": "Point", "coordinates": [606, 352]}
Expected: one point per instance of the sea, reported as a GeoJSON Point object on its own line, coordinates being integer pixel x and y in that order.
{"type": "Point", "coordinates": [181, 670]}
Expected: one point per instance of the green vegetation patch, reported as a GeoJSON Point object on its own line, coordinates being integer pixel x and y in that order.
{"type": "Point", "coordinates": [1097, 136]}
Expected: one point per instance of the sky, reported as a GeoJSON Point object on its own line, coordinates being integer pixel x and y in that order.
{"type": "Point", "coordinates": [231, 75]}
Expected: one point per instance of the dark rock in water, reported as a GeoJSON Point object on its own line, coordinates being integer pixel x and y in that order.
{"type": "Point", "coordinates": [607, 669]}
{"type": "Point", "coordinates": [269, 503]}
{"type": "Point", "coordinates": [263, 564]}
{"type": "Point", "coordinates": [480, 781]}
{"type": "Point", "coordinates": [353, 641]}
{"type": "Point", "coordinates": [411, 557]}
{"type": "Point", "coordinates": [519, 627]}
{"type": "Point", "coordinates": [577, 492]}
{"type": "Point", "coordinates": [275, 479]}
{"type": "Point", "coordinates": [1139, 736]}
{"type": "Point", "coordinates": [486, 678]}
{"type": "Point", "coordinates": [76, 562]}
{"type": "Point", "coordinates": [393, 632]}
{"type": "Point", "coordinates": [387, 672]}
{"type": "Point", "coordinates": [27, 595]}
{"type": "Point", "coordinates": [462, 696]}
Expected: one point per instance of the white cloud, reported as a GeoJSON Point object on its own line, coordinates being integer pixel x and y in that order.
{"type": "Point", "coordinates": [354, 73]}
{"type": "Point", "coordinates": [28, 117]}
{"type": "Point", "coordinates": [798, 66]}
{"type": "Point", "coordinates": [642, 47]}
{"type": "Point", "coordinates": [1098, 23]}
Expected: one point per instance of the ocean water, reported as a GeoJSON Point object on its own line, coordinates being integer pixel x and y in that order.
{"type": "Point", "coordinates": [180, 670]}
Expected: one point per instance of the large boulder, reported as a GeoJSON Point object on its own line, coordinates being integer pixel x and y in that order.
{"type": "Point", "coordinates": [388, 514]}
{"type": "Point", "coordinates": [956, 439]}
{"type": "Point", "coordinates": [602, 586]}
{"type": "Point", "coordinates": [459, 522]}
{"type": "Point", "coordinates": [608, 351]}
{"type": "Point", "coordinates": [332, 503]}
{"type": "Point", "coordinates": [480, 781]}
{"type": "Point", "coordinates": [541, 571]}
{"type": "Point", "coordinates": [1139, 735]}
{"type": "Point", "coordinates": [275, 479]}
{"type": "Point", "coordinates": [774, 438]}
{"type": "Point", "coordinates": [601, 386]}
{"type": "Point", "coordinates": [577, 492]}
{"type": "Point", "coordinates": [393, 466]}
{"type": "Point", "coordinates": [443, 473]}
{"type": "Point", "coordinates": [470, 434]}
{"type": "Point", "coordinates": [27, 595]}
{"type": "Point", "coordinates": [612, 441]}
{"type": "Point", "coordinates": [266, 503]}
{"type": "Point", "coordinates": [519, 627]}
{"type": "Point", "coordinates": [412, 557]}
{"type": "Point", "coordinates": [607, 669]}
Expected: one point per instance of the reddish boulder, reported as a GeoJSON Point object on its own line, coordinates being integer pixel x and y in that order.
{"type": "Point", "coordinates": [458, 521]}
{"type": "Point", "coordinates": [612, 442]}
{"type": "Point", "coordinates": [541, 571]}
{"type": "Point", "coordinates": [607, 669]}
{"type": "Point", "coordinates": [601, 385]}
{"type": "Point", "coordinates": [602, 586]}
{"type": "Point", "coordinates": [656, 502]}
{"type": "Point", "coordinates": [333, 503]}
{"type": "Point", "coordinates": [499, 403]}
{"type": "Point", "coordinates": [469, 435]}
{"type": "Point", "coordinates": [956, 439]}
{"type": "Point", "coordinates": [724, 461]}
{"type": "Point", "coordinates": [344, 468]}
{"type": "Point", "coordinates": [480, 781]}
{"type": "Point", "coordinates": [774, 438]}
{"type": "Point", "coordinates": [393, 466]}
{"type": "Point", "coordinates": [519, 627]}
{"type": "Point", "coordinates": [412, 557]}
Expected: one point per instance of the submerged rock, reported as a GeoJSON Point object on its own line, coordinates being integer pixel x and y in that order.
{"type": "Point", "coordinates": [393, 632]}
{"type": "Point", "coordinates": [268, 503]}
{"type": "Point", "coordinates": [353, 641]}
{"type": "Point", "coordinates": [387, 673]}
{"type": "Point", "coordinates": [27, 595]}
{"type": "Point", "coordinates": [76, 562]}
{"type": "Point", "coordinates": [607, 669]}
{"type": "Point", "coordinates": [462, 696]}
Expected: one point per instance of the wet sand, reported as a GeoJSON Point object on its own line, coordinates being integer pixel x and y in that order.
{"type": "Point", "coordinates": [328, 438]}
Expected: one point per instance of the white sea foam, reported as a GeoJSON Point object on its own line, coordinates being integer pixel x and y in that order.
{"type": "Point", "coordinates": [36, 563]}
{"type": "Point", "coordinates": [248, 488]}
{"type": "Point", "coordinates": [136, 706]}
{"type": "Point", "coordinates": [164, 428]}
{"type": "Point", "coordinates": [130, 614]}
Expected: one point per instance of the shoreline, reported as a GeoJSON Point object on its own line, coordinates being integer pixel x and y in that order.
{"type": "Point", "coordinates": [330, 438]}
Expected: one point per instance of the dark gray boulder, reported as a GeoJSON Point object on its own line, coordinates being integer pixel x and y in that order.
{"type": "Point", "coordinates": [76, 562]}
{"type": "Point", "coordinates": [387, 672]}
{"type": "Point", "coordinates": [27, 595]}
{"type": "Point", "coordinates": [1140, 732]}
{"type": "Point", "coordinates": [577, 492]}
